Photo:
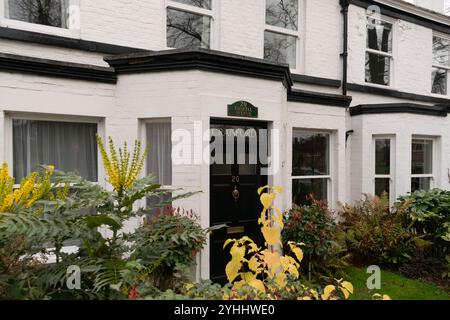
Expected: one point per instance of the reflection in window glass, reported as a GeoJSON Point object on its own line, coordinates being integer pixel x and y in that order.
{"type": "Point", "coordinates": [187, 30]}
{"type": "Point", "coordinates": [206, 4]}
{"type": "Point", "coordinates": [379, 36]}
{"type": "Point", "coordinates": [52, 13]}
{"type": "Point", "coordinates": [420, 184]}
{"type": "Point", "coordinates": [439, 81]}
{"type": "Point", "coordinates": [310, 156]}
{"type": "Point", "coordinates": [280, 48]}
{"type": "Point", "coordinates": [382, 156]}
{"type": "Point", "coordinates": [441, 51]}
{"type": "Point", "coordinates": [303, 189]}
{"type": "Point", "coordinates": [422, 156]}
{"type": "Point", "coordinates": [282, 13]}
{"type": "Point", "coordinates": [382, 185]}
{"type": "Point", "coordinates": [378, 69]}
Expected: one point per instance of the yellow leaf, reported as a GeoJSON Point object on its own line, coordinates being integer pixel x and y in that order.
{"type": "Point", "coordinates": [281, 279]}
{"type": "Point", "coordinates": [345, 292]}
{"type": "Point", "coordinates": [298, 253]}
{"type": "Point", "coordinates": [253, 263]}
{"type": "Point", "coordinates": [232, 269]}
{"type": "Point", "coordinates": [258, 285]}
{"type": "Point", "coordinates": [248, 276]}
{"type": "Point", "coordinates": [327, 291]}
{"type": "Point", "coordinates": [260, 190]}
{"type": "Point", "coordinates": [228, 242]}
{"type": "Point", "coordinates": [386, 297]}
{"type": "Point", "coordinates": [267, 200]}
{"type": "Point", "coordinates": [271, 235]}
{"type": "Point", "coordinates": [348, 286]}
{"type": "Point", "coordinates": [278, 189]}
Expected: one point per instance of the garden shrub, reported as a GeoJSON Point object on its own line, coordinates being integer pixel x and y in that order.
{"type": "Point", "coordinates": [39, 218]}
{"type": "Point", "coordinates": [429, 215]}
{"type": "Point", "coordinates": [374, 233]}
{"type": "Point", "coordinates": [264, 272]}
{"type": "Point", "coordinates": [175, 237]}
{"type": "Point", "coordinates": [315, 226]}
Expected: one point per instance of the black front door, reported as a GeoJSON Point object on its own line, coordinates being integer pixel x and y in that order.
{"type": "Point", "coordinates": [234, 181]}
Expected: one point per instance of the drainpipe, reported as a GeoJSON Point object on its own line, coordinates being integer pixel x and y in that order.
{"type": "Point", "coordinates": [344, 54]}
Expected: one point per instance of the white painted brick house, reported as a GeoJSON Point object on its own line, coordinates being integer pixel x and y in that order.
{"type": "Point", "coordinates": [355, 94]}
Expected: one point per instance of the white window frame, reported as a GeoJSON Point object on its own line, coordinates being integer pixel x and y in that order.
{"type": "Point", "coordinates": [438, 66]}
{"type": "Point", "coordinates": [212, 14]}
{"type": "Point", "coordinates": [391, 55]}
{"type": "Point", "coordinates": [431, 175]}
{"type": "Point", "coordinates": [391, 175]}
{"type": "Point", "coordinates": [8, 135]}
{"type": "Point", "coordinates": [72, 32]}
{"type": "Point", "coordinates": [329, 176]}
{"type": "Point", "coordinates": [288, 32]}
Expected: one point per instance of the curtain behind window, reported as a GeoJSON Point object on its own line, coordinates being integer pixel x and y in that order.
{"type": "Point", "coordinates": [159, 163]}
{"type": "Point", "coordinates": [159, 158]}
{"type": "Point", "coordinates": [70, 147]}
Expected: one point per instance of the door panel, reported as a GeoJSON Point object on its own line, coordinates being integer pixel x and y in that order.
{"type": "Point", "coordinates": [233, 187]}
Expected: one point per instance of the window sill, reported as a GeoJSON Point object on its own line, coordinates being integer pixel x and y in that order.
{"type": "Point", "coordinates": [32, 27]}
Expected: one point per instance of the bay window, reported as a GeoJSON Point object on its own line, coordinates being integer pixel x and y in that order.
{"type": "Point", "coordinates": [69, 146]}
{"type": "Point", "coordinates": [188, 23]}
{"type": "Point", "coordinates": [310, 166]}
{"type": "Point", "coordinates": [159, 158]}
{"type": "Point", "coordinates": [281, 32]}
{"type": "Point", "coordinates": [379, 52]}
{"type": "Point", "coordinates": [384, 166]}
{"type": "Point", "coordinates": [422, 164]}
{"type": "Point", "coordinates": [441, 65]}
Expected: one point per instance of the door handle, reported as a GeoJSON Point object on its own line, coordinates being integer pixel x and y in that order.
{"type": "Point", "coordinates": [235, 193]}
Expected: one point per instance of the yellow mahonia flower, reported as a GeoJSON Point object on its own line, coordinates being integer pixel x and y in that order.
{"type": "Point", "coordinates": [33, 188]}
{"type": "Point", "coordinates": [121, 168]}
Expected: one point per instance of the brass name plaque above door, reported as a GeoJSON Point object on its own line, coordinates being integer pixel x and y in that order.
{"type": "Point", "coordinates": [242, 109]}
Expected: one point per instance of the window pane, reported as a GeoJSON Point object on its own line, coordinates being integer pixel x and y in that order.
{"type": "Point", "coordinates": [382, 186]}
{"type": "Point", "coordinates": [159, 158]}
{"type": "Point", "coordinates": [282, 13]}
{"type": "Point", "coordinates": [158, 204]}
{"type": "Point", "coordinates": [280, 48]}
{"type": "Point", "coordinates": [379, 36]}
{"type": "Point", "coordinates": [303, 188]}
{"type": "Point", "coordinates": [70, 147]}
{"type": "Point", "coordinates": [422, 156]}
{"type": "Point", "coordinates": [382, 156]}
{"type": "Point", "coordinates": [377, 69]}
{"type": "Point", "coordinates": [439, 81]}
{"type": "Point", "coordinates": [420, 184]}
{"type": "Point", "coordinates": [197, 3]}
{"type": "Point", "coordinates": [310, 154]}
{"type": "Point", "coordinates": [441, 51]}
{"type": "Point", "coordinates": [49, 12]}
{"type": "Point", "coordinates": [187, 30]}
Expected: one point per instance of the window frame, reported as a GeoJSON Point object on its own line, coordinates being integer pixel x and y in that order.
{"type": "Point", "coordinates": [8, 135]}
{"type": "Point", "coordinates": [34, 27]}
{"type": "Point", "coordinates": [329, 177]}
{"type": "Point", "coordinates": [432, 175]}
{"type": "Point", "coordinates": [392, 166]}
{"type": "Point", "coordinates": [390, 55]}
{"type": "Point", "coordinates": [288, 32]}
{"type": "Point", "coordinates": [211, 13]}
{"type": "Point", "coordinates": [438, 66]}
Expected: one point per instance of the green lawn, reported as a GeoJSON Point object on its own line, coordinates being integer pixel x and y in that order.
{"type": "Point", "coordinates": [395, 285]}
